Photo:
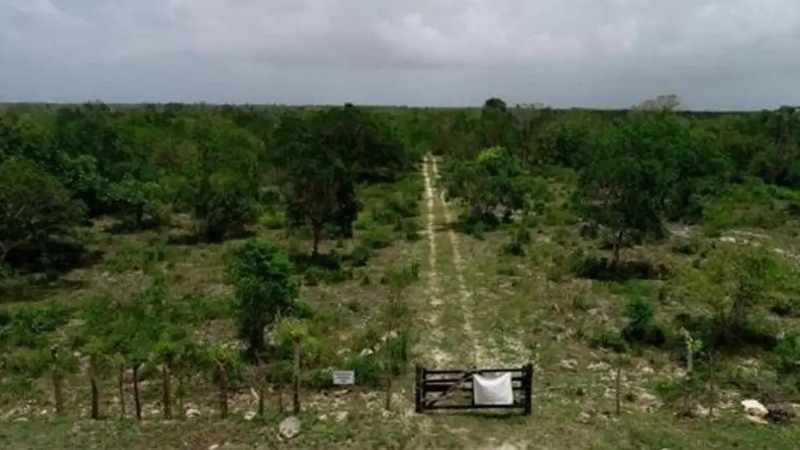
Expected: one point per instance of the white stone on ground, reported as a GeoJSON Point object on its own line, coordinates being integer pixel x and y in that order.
{"type": "Point", "coordinates": [754, 408]}
{"type": "Point", "coordinates": [289, 427]}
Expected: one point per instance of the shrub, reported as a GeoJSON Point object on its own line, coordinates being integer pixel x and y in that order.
{"type": "Point", "coordinates": [33, 206]}
{"type": "Point", "coordinates": [141, 202]}
{"type": "Point", "coordinates": [689, 247]}
{"type": "Point", "coordinates": [28, 326]}
{"type": "Point", "coordinates": [519, 240]}
{"type": "Point", "coordinates": [222, 185]}
{"type": "Point", "coordinates": [273, 220]}
{"type": "Point", "coordinates": [788, 354]}
{"type": "Point", "coordinates": [410, 228]}
{"type": "Point", "coordinates": [138, 257]}
{"type": "Point", "coordinates": [640, 326]}
{"type": "Point", "coordinates": [609, 339]}
{"type": "Point", "coordinates": [593, 266]}
{"type": "Point", "coordinates": [360, 255]}
{"type": "Point", "coordinates": [264, 289]}
{"type": "Point", "coordinates": [733, 281]}
{"type": "Point", "coordinates": [315, 275]}
{"type": "Point", "coordinates": [493, 186]}
{"type": "Point", "coordinates": [785, 306]}
{"type": "Point", "coordinates": [367, 367]}
{"type": "Point", "coordinates": [751, 204]}
{"type": "Point", "coordinates": [377, 237]}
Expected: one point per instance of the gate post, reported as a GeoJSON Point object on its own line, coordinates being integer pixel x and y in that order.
{"type": "Point", "coordinates": [418, 385]}
{"type": "Point", "coordinates": [528, 389]}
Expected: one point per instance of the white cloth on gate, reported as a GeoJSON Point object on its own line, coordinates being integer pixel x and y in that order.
{"type": "Point", "coordinates": [493, 390]}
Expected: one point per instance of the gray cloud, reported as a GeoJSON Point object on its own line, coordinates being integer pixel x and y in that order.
{"type": "Point", "coordinates": [725, 54]}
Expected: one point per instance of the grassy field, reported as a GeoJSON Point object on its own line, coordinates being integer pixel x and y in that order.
{"type": "Point", "coordinates": [474, 305]}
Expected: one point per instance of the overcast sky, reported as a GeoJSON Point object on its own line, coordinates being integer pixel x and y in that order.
{"type": "Point", "coordinates": [715, 54]}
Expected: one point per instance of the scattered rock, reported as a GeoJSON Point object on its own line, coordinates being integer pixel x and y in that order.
{"type": "Point", "coordinates": [584, 417]}
{"type": "Point", "coordinates": [289, 427]}
{"type": "Point", "coordinates": [340, 416]}
{"type": "Point", "coordinates": [599, 367]}
{"type": "Point", "coordinates": [249, 415]}
{"type": "Point", "coordinates": [781, 413]}
{"type": "Point", "coordinates": [757, 420]}
{"type": "Point", "coordinates": [192, 412]}
{"type": "Point", "coordinates": [569, 364]}
{"type": "Point", "coordinates": [699, 411]}
{"type": "Point", "coordinates": [647, 402]}
{"type": "Point", "coordinates": [754, 408]}
{"type": "Point", "coordinates": [213, 447]}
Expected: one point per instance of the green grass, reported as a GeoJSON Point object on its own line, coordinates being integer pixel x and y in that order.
{"type": "Point", "coordinates": [521, 308]}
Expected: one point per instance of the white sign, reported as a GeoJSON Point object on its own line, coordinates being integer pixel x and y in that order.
{"type": "Point", "coordinates": [344, 377]}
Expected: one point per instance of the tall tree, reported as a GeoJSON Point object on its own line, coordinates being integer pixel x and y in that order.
{"type": "Point", "coordinates": [497, 125]}
{"type": "Point", "coordinates": [316, 176]}
{"type": "Point", "coordinates": [223, 183]}
{"type": "Point", "coordinates": [33, 206]}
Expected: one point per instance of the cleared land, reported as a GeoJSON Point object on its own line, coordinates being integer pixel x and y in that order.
{"type": "Point", "coordinates": [476, 306]}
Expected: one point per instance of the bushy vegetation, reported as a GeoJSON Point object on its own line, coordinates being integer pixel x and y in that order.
{"type": "Point", "coordinates": [293, 200]}
{"type": "Point", "coordinates": [264, 290]}
{"type": "Point", "coordinates": [492, 186]}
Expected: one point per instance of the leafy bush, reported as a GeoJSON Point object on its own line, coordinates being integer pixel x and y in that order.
{"type": "Point", "coordinates": [519, 240]}
{"type": "Point", "coordinates": [140, 202]}
{"type": "Point", "coordinates": [593, 266]}
{"type": "Point", "coordinates": [640, 326]}
{"type": "Point", "coordinates": [360, 256]}
{"type": "Point", "coordinates": [29, 325]}
{"type": "Point", "coordinates": [33, 206]}
{"type": "Point", "coordinates": [367, 367]}
{"type": "Point", "coordinates": [493, 186]}
{"type": "Point", "coordinates": [689, 247]}
{"type": "Point", "coordinates": [609, 339]}
{"type": "Point", "coordinates": [264, 289]}
{"type": "Point", "coordinates": [788, 353]}
{"type": "Point", "coordinates": [138, 257]}
{"type": "Point", "coordinates": [643, 172]}
{"type": "Point", "coordinates": [314, 275]}
{"type": "Point", "coordinates": [377, 237]}
{"type": "Point", "coordinates": [751, 204]}
{"type": "Point", "coordinates": [410, 228]}
{"type": "Point", "coordinates": [732, 281]}
{"type": "Point", "coordinates": [273, 220]}
{"type": "Point", "coordinates": [222, 183]}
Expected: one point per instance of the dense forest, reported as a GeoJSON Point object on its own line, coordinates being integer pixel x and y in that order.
{"type": "Point", "coordinates": [684, 223]}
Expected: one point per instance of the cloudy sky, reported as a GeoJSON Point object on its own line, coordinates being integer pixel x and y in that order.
{"type": "Point", "coordinates": [715, 54]}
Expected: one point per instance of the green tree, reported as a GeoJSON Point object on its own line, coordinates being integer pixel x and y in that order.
{"type": "Point", "coordinates": [492, 184]}
{"type": "Point", "coordinates": [732, 281]}
{"type": "Point", "coordinates": [34, 206]}
{"type": "Point", "coordinates": [223, 183]}
{"type": "Point", "coordinates": [264, 290]}
{"type": "Point", "coordinates": [497, 125]}
{"type": "Point", "coordinates": [139, 201]}
{"type": "Point", "coordinates": [317, 180]}
{"type": "Point", "coordinates": [644, 170]}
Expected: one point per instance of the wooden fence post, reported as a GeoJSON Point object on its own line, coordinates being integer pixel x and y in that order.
{"type": "Point", "coordinates": [528, 374]}
{"type": "Point", "coordinates": [418, 380]}
{"type": "Point", "coordinates": [121, 388]}
{"type": "Point", "coordinates": [95, 392]}
{"type": "Point", "coordinates": [619, 388]}
{"type": "Point", "coordinates": [296, 393]}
